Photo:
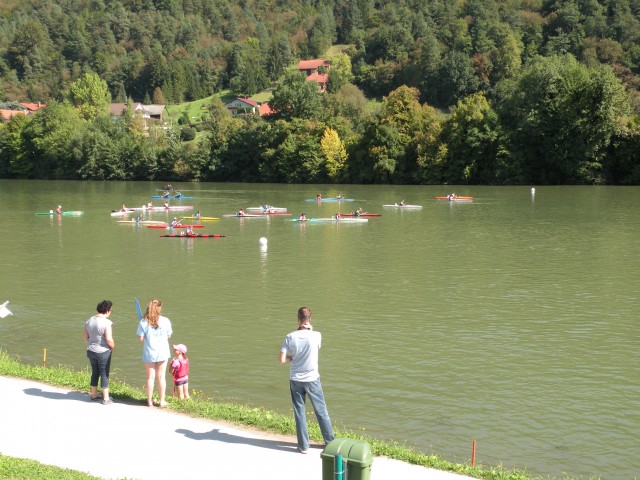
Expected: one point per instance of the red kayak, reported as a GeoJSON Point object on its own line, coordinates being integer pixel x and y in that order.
{"type": "Point", "coordinates": [364, 214]}
{"type": "Point", "coordinates": [177, 226]}
{"type": "Point", "coordinates": [200, 235]}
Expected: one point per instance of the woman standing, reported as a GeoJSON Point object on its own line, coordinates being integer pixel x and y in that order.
{"type": "Point", "coordinates": [155, 330]}
{"type": "Point", "coordinates": [99, 337]}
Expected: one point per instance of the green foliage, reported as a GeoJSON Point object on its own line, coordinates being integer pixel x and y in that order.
{"type": "Point", "coordinates": [294, 97]}
{"type": "Point", "coordinates": [23, 469]}
{"type": "Point", "coordinates": [90, 95]}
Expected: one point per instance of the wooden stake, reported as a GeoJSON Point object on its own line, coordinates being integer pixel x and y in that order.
{"type": "Point", "coordinates": [473, 454]}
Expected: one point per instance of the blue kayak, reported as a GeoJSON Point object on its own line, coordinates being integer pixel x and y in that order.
{"type": "Point", "coordinates": [168, 197]}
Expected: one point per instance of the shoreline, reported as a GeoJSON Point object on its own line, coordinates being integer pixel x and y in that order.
{"type": "Point", "coordinates": [251, 422]}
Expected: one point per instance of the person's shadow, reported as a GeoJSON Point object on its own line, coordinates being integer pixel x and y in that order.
{"type": "Point", "coordinates": [38, 392]}
{"type": "Point", "coordinates": [218, 436]}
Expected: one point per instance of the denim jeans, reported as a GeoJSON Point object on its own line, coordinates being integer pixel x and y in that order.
{"type": "Point", "coordinates": [100, 365]}
{"type": "Point", "coordinates": [299, 391]}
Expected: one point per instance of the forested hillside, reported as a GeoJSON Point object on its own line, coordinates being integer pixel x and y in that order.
{"type": "Point", "coordinates": [477, 91]}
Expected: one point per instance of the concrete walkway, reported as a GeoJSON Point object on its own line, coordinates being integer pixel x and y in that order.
{"type": "Point", "coordinates": [62, 427]}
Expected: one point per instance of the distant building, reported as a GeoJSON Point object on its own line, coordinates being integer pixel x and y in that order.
{"type": "Point", "coordinates": [152, 114]}
{"type": "Point", "coordinates": [311, 68]}
{"type": "Point", "coordinates": [245, 106]}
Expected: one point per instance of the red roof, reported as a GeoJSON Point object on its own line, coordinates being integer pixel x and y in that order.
{"type": "Point", "coordinates": [311, 64]}
{"type": "Point", "coordinates": [318, 77]}
{"type": "Point", "coordinates": [265, 109]}
{"type": "Point", "coordinates": [8, 114]}
{"type": "Point", "coordinates": [33, 107]}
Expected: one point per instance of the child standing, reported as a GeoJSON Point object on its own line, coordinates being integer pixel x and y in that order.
{"type": "Point", "coordinates": [180, 371]}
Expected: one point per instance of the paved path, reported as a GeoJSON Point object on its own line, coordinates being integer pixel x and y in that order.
{"type": "Point", "coordinates": [62, 427]}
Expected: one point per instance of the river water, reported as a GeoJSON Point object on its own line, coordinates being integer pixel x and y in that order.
{"type": "Point", "coordinates": [511, 319]}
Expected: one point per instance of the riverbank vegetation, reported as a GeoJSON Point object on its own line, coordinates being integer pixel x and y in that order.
{"type": "Point", "coordinates": [439, 92]}
{"type": "Point", "coordinates": [241, 415]}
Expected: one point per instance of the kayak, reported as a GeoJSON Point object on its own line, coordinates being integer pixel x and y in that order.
{"type": "Point", "coordinates": [200, 235]}
{"type": "Point", "coordinates": [176, 197]}
{"type": "Point", "coordinates": [177, 226]}
{"type": "Point", "coordinates": [269, 208]}
{"type": "Point", "coordinates": [364, 214]}
{"type": "Point", "coordinates": [143, 222]}
{"type": "Point", "coordinates": [68, 212]}
{"type": "Point", "coordinates": [246, 215]}
{"type": "Point", "coordinates": [175, 208]}
{"type": "Point", "coordinates": [329, 200]}
{"type": "Point", "coordinates": [455, 199]}
{"type": "Point", "coordinates": [331, 219]}
{"type": "Point", "coordinates": [395, 205]}
{"type": "Point", "coordinates": [201, 219]}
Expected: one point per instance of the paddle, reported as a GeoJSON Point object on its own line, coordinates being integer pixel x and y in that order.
{"type": "Point", "coordinates": [138, 309]}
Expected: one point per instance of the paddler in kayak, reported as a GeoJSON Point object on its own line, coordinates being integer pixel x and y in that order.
{"type": "Point", "coordinates": [197, 215]}
{"type": "Point", "coordinates": [318, 197]}
{"type": "Point", "coordinates": [358, 212]}
{"type": "Point", "coordinates": [338, 216]}
{"type": "Point", "coordinates": [59, 209]}
{"type": "Point", "coordinates": [302, 217]}
{"type": "Point", "coordinates": [166, 205]}
{"type": "Point", "coordinates": [175, 223]}
{"type": "Point", "coordinates": [240, 213]}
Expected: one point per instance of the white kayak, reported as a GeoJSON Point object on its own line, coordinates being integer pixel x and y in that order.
{"type": "Point", "coordinates": [333, 219]}
{"type": "Point", "coordinates": [397, 205]}
{"type": "Point", "coordinates": [268, 208]}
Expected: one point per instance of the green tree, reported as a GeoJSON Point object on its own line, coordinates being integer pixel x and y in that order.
{"type": "Point", "coordinates": [48, 138]}
{"type": "Point", "coordinates": [294, 97]}
{"type": "Point", "coordinates": [561, 117]}
{"type": "Point", "coordinates": [472, 137]}
{"type": "Point", "coordinates": [340, 72]}
{"type": "Point", "coordinates": [90, 95]}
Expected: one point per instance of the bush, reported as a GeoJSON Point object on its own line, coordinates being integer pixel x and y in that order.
{"type": "Point", "coordinates": [187, 134]}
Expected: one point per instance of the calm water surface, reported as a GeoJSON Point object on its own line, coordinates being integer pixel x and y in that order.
{"type": "Point", "coordinates": [511, 320]}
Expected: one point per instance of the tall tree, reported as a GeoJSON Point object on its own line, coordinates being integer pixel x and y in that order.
{"type": "Point", "coordinates": [91, 95]}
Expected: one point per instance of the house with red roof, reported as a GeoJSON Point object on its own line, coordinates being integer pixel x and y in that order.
{"type": "Point", "coordinates": [245, 105]}
{"type": "Point", "coordinates": [316, 70]}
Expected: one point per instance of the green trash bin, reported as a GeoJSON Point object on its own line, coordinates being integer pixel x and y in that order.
{"type": "Point", "coordinates": [356, 457]}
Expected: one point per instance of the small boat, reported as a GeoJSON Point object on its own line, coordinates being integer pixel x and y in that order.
{"type": "Point", "coordinates": [331, 220]}
{"type": "Point", "coordinates": [329, 200]}
{"type": "Point", "coordinates": [176, 226]}
{"type": "Point", "coordinates": [200, 235]}
{"type": "Point", "coordinates": [457, 198]}
{"type": "Point", "coordinates": [274, 213]}
{"type": "Point", "coordinates": [143, 222]}
{"type": "Point", "coordinates": [168, 197]}
{"type": "Point", "coordinates": [246, 215]}
{"type": "Point", "coordinates": [266, 208]}
{"type": "Point", "coordinates": [409, 207]}
{"type": "Point", "coordinates": [363, 214]}
{"type": "Point", "coordinates": [67, 212]}
{"type": "Point", "coordinates": [201, 219]}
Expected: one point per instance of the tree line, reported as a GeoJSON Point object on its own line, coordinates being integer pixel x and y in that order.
{"type": "Point", "coordinates": [557, 122]}
{"type": "Point", "coordinates": [496, 91]}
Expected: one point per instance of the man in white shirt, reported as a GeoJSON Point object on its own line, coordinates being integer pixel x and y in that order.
{"type": "Point", "coordinates": [301, 348]}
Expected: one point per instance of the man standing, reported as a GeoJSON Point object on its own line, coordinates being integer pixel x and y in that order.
{"type": "Point", "coordinates": [301, 348]}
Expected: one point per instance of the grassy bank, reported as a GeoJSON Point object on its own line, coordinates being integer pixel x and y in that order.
{"type": "Point", "coordinates": [240, 415]}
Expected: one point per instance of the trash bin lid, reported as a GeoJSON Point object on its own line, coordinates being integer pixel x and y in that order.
{"type": "Point", "coordinates": [355, 452]}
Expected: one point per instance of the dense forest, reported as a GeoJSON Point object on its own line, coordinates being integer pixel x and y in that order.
{"type": "Point", "coordinates": [437, 91]}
